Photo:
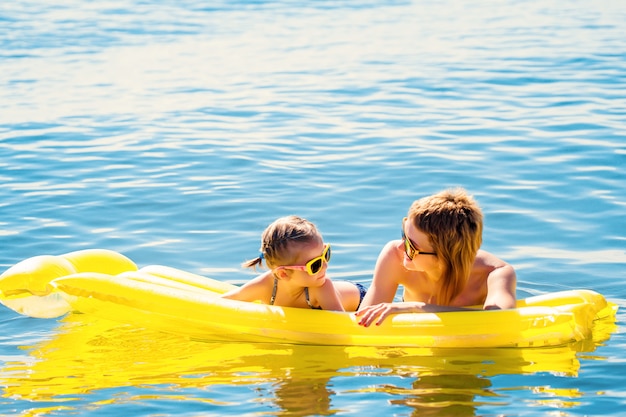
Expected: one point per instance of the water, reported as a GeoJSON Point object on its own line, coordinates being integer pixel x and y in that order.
{"type": "Point", "coordinates": [174, 132]}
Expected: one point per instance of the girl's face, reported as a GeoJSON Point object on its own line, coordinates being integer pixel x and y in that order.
{"type": "Point", "coordinates": [309, 257]}
{"type": "Point", "coordinates": [419, 255]}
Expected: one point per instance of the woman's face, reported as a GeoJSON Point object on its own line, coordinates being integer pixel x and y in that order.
{"type": "Point", "coordinates": [419, 254]}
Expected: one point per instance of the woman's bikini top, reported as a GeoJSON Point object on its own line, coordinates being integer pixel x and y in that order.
{"type": "Point", "coordinates": [306, 295]}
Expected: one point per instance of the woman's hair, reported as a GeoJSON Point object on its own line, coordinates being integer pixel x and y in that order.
{"type": "Point", "coordinates": [277, 238]}
{"type": "Point", "coordinates": [453, 222]}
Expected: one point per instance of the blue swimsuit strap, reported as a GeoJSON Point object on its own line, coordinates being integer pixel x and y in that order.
{"type": "Point", "coordinates": [273, 298]}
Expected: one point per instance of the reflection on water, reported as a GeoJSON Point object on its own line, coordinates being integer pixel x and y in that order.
{"type": "Point", "coordinates": [295, 396]}
{"type": "Point", "coordinates": [453, 395]}
{"type": "Point", "coordinates": [87, 356]}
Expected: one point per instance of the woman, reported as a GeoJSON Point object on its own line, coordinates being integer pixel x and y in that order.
{"type": "Point", "coordinates": [439, 263]}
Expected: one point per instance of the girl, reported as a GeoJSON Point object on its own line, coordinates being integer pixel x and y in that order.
{"type": "Point", "coordinates": [439, 263]}
{"type": "Point", "coordinates": [295, 253]}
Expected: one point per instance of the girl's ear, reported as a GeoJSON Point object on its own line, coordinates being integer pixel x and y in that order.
{"type": "Point", "coordinates": [281, 274]}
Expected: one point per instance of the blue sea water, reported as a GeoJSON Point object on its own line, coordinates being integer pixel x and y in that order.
{"type": "Point", "coordinates": [175, 131]}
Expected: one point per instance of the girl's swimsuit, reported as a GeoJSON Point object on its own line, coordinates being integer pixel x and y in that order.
{"type": "Point", "coordinates": [362, 292]}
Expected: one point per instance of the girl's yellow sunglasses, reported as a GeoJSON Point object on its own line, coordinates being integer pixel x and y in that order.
{"type": "Point", "coordinates": [314, 265]}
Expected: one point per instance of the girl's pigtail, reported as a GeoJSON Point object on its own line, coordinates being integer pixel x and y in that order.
{"type": "Point", "coordinates": [253, 263]}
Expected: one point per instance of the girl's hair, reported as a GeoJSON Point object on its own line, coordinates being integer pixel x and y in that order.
{"type": "Point", "coordinates": [453, 222]}
{"type": "Point", "coordinates": [278, 236]}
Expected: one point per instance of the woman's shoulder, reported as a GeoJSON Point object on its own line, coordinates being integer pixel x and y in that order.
{"type": "Point", "coordinates": [487, 260]}
{"type": "Point", "coordinates": [392, 253]}
{"type": "Point", "coordinates": [390, 262]}
{"type": "Point", "coordinates": [393, 248]}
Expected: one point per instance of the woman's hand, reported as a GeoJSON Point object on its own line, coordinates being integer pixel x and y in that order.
{"type": "Point", "coordinates": [380, 311]}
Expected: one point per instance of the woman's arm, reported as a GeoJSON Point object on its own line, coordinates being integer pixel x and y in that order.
{"type": "Point", "coordinates": [383, 310]}
{"type": "Point", "coordinates": [497, 279]}
{"type": "Point", "coordinates": [501, 284]}
{"type": "Point", "coordinates": [500, 281]}
{"type": "Point", "coordinates": [385, 281]}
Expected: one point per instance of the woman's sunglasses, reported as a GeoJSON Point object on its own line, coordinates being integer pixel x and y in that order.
{"type": "Point", "coordinates": [314, 265]}
{"type": "Point", "coordinates": [410, 250]}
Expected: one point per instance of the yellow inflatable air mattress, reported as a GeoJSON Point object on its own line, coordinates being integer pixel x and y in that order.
{"type": "Point", "coordinates": [107, 284]}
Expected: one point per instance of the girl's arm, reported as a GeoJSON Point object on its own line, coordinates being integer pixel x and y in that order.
{"type": "Point", "coordinates": [327, 296]}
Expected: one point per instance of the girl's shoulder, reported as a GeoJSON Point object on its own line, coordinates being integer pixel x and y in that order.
{"type": "Point", "coordinates": [264, 280]}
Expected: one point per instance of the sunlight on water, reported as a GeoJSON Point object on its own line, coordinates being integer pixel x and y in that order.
{"type": "Point", "coordinates": [574, 257]}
